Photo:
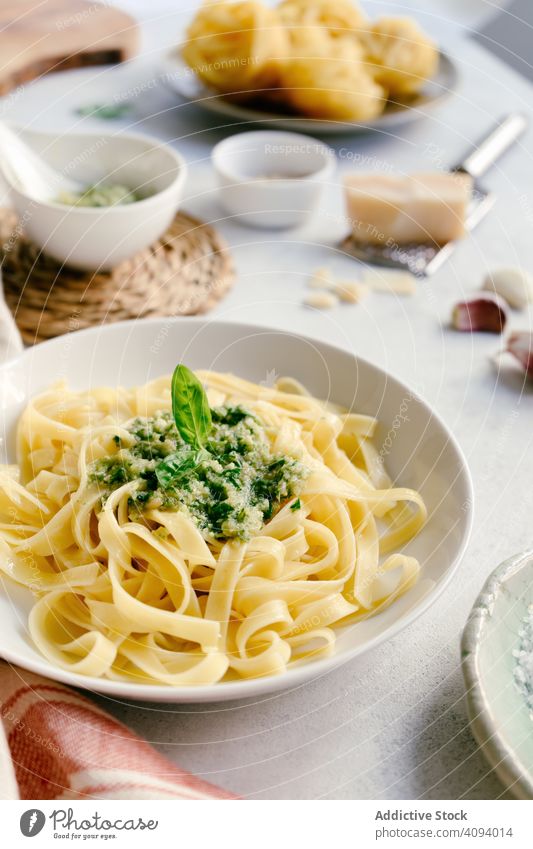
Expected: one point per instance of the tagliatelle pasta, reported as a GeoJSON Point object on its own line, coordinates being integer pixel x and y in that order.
{"type": "Point", "coordinates": [319, 58]}
{"type": "Point", "coordinates": [236, 46]}
{"type": "Point", "coordinates": [401, 55]}
{"type": "Point", "coordinates": [338, 18]}
{"type": "Point", "coordinates": [327, 78]}
{"type": "Point", "coordinates": [172, 577]}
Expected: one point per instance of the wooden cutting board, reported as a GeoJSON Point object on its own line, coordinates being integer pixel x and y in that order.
{"type": "Point", "coordinates": [38, 36]}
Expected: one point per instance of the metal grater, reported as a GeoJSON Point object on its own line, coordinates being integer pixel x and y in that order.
{"type": "Point", "coordinates": [423, 260]}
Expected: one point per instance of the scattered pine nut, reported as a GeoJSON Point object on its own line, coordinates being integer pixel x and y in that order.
{"type": "Point", "coordinates": [330, 290]}
{"type": "Point", "coordinates": [321, 279]}
{"type": "Point", "coordinates": [321, 300]}
{"type": "Point", "coordinates": [351, 291]}
{"type": "Point", "coordinates": [398, 282]}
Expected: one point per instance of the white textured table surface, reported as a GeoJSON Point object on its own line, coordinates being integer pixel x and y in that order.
{"type": "Point", "coordinates": [392, 724]}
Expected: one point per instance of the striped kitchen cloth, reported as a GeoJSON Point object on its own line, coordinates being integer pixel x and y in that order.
{"type": "Point", "coordinates": [61, 746]}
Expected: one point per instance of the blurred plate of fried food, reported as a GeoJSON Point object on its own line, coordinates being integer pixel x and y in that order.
{"type": "Point", "coordinates": [312, 65]}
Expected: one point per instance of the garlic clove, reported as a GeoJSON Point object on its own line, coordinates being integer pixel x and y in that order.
{"type": "Point", "coordinates": [515, 285]}
{"type": "Point", "coordinates": [520, 345]}
{"type": "Point", "coordinates": [485, 312]}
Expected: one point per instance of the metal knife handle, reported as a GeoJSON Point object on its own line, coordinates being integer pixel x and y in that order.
{"type": "Point", "coordinates": [491, 148]}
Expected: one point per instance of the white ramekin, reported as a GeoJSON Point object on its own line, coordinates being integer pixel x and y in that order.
{"type": "Point", "coordinates": [272, 179]}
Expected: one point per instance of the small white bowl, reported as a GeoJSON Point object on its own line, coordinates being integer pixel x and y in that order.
{"type": "Point", "coordinates": [272, 179]}
{"type": "Point", "coordinates": [101, 237]}
{"type": "Point", "coordinates": [497, 710]}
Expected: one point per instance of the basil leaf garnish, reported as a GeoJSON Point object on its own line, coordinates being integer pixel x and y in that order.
{"type": "Point", "coordinates": [190, 407]}
{"type": "Point", "coordinates": [178, 466]}
{"type": "Point", "coordinates": [173, 468]}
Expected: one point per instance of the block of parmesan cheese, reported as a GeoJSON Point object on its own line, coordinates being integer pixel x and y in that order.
{"type": "Point", "coordinates": [426, 207]}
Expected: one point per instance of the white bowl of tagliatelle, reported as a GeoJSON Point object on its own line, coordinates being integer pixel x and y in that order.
{"type": "Point", "coordinates": [198, 511]}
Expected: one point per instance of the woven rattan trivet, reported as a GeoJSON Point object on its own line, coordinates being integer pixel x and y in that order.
{"type": "Point", "coordinates": [186, 272]}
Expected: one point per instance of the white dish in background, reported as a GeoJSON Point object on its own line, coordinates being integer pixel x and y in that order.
{"type": "Point", "coordinates": [182, 80]}
{"type": "Point", "coordinates": [101, 237]}
{"type": "Point", "coordinates": [498, 712]}
{"type": "Point", "coordinates": [423, 454]}
{"type": "Point", "coordinates": [8, 782]}
{"type": "Point", "coordinates": [271, 179]}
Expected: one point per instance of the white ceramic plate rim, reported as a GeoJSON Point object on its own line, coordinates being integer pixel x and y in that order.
{"type": "Point", "coordinates": [249, 688]}
{"type": "Point", "coordinates": [208, 98]}
{"type": "Point", "coordinates": [501, 757]}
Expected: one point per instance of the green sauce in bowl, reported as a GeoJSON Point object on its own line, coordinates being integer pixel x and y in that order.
{"type": "Point", "coordinates": [101, 194]}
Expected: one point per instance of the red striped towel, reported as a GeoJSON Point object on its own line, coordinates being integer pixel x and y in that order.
{"type": "Point", "coordinates": [64, 747]}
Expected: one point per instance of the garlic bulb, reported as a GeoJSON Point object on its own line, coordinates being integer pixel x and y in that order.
{"type": "Point", "coordinates": [515, 285]}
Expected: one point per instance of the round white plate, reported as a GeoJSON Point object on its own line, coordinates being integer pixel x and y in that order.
{"type": "Point", "coordinates": [181, 79]}
{"type": "Point", "coordinates": [419, 451]}
{"type": "Point", "coordinates": [498, 713]}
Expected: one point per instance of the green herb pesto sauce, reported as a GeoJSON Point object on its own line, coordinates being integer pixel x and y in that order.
{"type": "Point", "coordinates": [230, 488]}
{"type": "Point", "coordinates": [112, 194]}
